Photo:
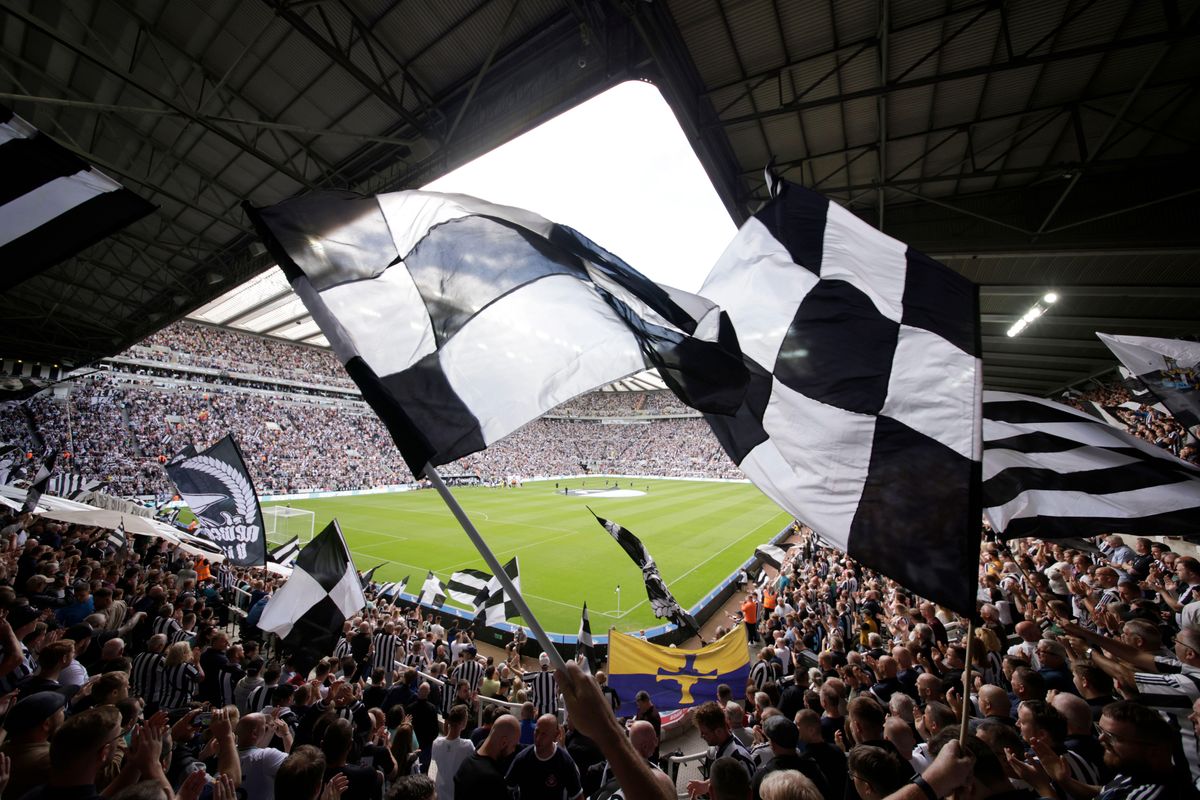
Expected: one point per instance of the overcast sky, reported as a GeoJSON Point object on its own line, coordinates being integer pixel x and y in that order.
{"type": "Point", "coordinates": [619, 170]}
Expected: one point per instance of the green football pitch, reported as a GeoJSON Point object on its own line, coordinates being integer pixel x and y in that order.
{"type": "Point", "coordinates": [698, 533]}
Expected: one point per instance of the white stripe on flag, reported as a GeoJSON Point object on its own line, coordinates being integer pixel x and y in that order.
{"type": "Point", "coordinates": [1116, 505]}
{"type": "Point", "coordinates": [23, 214]}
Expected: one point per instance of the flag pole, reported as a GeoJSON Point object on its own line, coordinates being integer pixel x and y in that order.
{"type": "Point", "coordinates": [494, 564]}
{"type": "Point", "coordinates": [966, 698]}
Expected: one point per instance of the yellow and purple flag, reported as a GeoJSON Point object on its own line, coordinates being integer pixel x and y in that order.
{"type": "Point", "coordinates": [676, 678]}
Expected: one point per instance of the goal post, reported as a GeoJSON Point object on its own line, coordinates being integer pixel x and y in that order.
{"type": "Point", "coordinates": [284, 522]}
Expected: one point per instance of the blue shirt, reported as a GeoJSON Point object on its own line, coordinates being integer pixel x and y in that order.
{"type": "Point", "coordinates": [75, 612]}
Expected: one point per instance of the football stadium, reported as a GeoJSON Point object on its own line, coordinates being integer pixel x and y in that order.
{"type": "Point", "coordinates": [568, 399]}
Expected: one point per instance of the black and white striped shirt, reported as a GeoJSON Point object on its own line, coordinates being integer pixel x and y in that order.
{"type": "Point", "coordinates": [258, 699]}
{"type": "Point", "coordinates": [227, 682]}
{"type": "Point", "coordinates": [146, 676]}
{"type": "Point", "coordinates": [166, 626]}
{"type": "Point", "coordinates": [543, 690]}
{"type": "Point", "coordinates": [181, 683]}
{"type": "Point", "coordinates": [470, 671]}
{"type": "Point", "coordinates": [386, 645]}
{"type": "Point", "coordinates": [760, 674]}
{"type": "Point", "coordinates": [342, 648]}
{"type": "Point", "coordinates": [182, 636]}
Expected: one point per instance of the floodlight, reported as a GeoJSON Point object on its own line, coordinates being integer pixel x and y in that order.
{"type": "Point", "coordinates": [1051, 297]}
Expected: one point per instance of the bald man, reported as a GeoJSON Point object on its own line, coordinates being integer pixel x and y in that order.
{"type": "Point", "coordinates": [484, 770]}
{"type": "Point", "coordinates": [995, 704]}
{"type": "Point", "coordinates": [259, 764]}
{"type": "Point", "coordinates": [1080, 739]}
{"type": "Point", "coordinates": [544, 771]}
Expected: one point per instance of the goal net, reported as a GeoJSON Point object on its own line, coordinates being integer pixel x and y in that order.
{"type": "Point", "coordinates": [284, 522]}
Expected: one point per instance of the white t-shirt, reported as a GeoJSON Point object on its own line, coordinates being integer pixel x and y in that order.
{"type": "Point", "coordinates": [448, 756]}
{"type": "Point", "coordinates": [259, 765]}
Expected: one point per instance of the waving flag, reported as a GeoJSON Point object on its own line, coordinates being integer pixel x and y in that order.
{"type": "Point", "coordinates": [433, 592]}
{"type": "Point", "coordinates": [584, 646]}
{"type": "Point", "coordinates": [285, 554]}
{"type": "Point", "coordinates": [52, 203]}
{"type": "Point", "coordinates": [862, 415]}
{"type": "Point", "coordinates": [1051, 471]}
{"type": "Point", "coordinates": [418, 292]}
{"type": "Point", "coordinates": [37, 487]}
{"type": "Point", "coordinates": [662, 602]}
{"type": "Point", "coordinates": [323, 591]}
{"type": "Point", "coordinates": [217, 488]}
{"type": "Point", "coordinates": [1168, 368]}
{"type": "Point", "coordinates": [469, 587]}
{"type": "Point", "coordinates": [673, 677]}
{"type": "Point", "coordinates": [495, 603]}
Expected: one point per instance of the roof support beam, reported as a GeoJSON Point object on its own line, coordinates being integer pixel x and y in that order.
{"type": "Point", "coordinates": [342, 60]}
{"type": "Point", "coordinates": [1020, 62]}
{"type": "Point", "coordinates": [117, 72]}
{"type": "Point", "coordinates": [1073, 290]}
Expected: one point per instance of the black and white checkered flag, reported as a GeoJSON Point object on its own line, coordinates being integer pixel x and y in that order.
{"type": "Point", "coordinates": [322, 592]}
{"type": "Point", "coordinates": [1051, 471]}
{"type": "Point", "coordinates": [498, 606]}
{"type": "Point", "coordinates": [862, 416]}
{"type": "Point", "coordinates": [470, 279]}
{"type": "Point", "coordinates": [433, 592]}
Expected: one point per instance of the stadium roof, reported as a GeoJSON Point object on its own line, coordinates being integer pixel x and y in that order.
{"type": "Point", "coordinates": [1030, 144]}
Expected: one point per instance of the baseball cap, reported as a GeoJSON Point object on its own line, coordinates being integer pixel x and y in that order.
{"type": "Point", "coordinates": [32, 711]}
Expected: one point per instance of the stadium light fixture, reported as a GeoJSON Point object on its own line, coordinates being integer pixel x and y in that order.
{"type": "Point", "coordinates": [1035, 311]}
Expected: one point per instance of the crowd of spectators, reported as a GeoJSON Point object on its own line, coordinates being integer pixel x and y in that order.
{"type": "Point", "coordinates": [128, 672]}
{"type": "Point", "coordinates": [1141, 416]}
{"type": "Point", "coordinates": [1082, 679]}
{"type": "Point", "coordinates": [622, 404]}
{"type": "Point", "coordinates": [190, 343]}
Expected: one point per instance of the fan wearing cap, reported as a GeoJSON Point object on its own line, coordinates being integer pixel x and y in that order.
{"type": "Point", "coordinates": [783, 737]}
{"type": "Point", "coordinates": [30, 724]}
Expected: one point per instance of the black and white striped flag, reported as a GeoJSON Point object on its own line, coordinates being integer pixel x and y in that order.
{"type": "Point", "coordinates": [322, 592]}
{"type": "Point", "coordinates": [41, 480]}
{"type": "Point", "coordinates": [433, 592]}
{"type": "Point", "coordinates": [386, 591]}
{"type": "Point", "coordinates": [117, 539]}
{"type": "Point", "coordinates": [862, 416]}
{"type": "Point", "coordinates": [1052, 471]}
{"type": "Point", "coordinates": [497, 605]}
{"type": "Point", "coordinates": [771, 554]}
{"type": "Point", "coordinates": [469, 587]}
{"type": "Point", "coordinates": [72, 485]}
{"type": "Point", "coordinates": [285, 554]}
{"type": "Point", "coordinates": [469, 279]}
{"type": "Point", "coordinates": [584, 645]}
{"type": "Point", "coordinates": [53, 204]}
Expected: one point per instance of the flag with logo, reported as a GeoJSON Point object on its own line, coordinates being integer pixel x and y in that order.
{"type": "Point", "coordinates": [1168, 368]}
{"type": "Point", "coordinates": [673, 677]}
{"type": "Point", "coordinates": [662, 602]}
{"type": "Point", "coordinates": [218, 490]}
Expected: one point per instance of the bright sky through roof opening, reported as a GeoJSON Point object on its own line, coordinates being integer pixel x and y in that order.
{"type": "Point", "coordinates": [619, 170]}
